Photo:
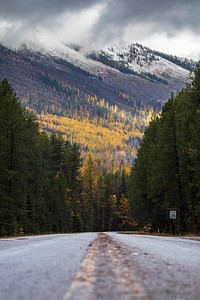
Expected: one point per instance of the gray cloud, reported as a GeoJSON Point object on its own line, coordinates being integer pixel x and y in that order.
{"type": "Point", "coordinates": [28, 17]}
{"type": "Point", "coordinates": [169, 16]}
{"type": "Point", "coordinates": [39, 10]}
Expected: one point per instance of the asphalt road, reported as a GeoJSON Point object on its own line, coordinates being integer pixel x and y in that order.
{"type": "Point", "coordinates": [167, 267]}
{"type": "Point", "coordinates": [91, 266]}
{"type": "Point", "coordinates": [41, 267]}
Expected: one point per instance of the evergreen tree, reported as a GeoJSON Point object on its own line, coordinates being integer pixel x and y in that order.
{"type": "Point", "coordinates": [88, 194]}
{"type": "Point", "coordinates": [166, 172]}
{"type": "Point", "coordinates": [13, 165]}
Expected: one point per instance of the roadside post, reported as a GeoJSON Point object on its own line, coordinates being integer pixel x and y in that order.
{"type": "Point", "coordinates": [173, 214]}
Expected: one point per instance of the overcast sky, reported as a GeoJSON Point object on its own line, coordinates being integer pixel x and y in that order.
{"type": "Point", "coordinates": [171, 26]}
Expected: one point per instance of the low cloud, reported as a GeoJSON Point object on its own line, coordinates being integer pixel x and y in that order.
{"type": "Point", "coordinates": [96, 23]}
{"type": "Point", "coordinates": [171, 17]}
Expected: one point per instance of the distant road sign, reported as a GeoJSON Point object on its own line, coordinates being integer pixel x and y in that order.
{"type": "Point", "coordinates": [172, 214]}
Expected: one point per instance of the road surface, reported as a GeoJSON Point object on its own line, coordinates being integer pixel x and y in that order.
{"type": "Point", "coordinates": [41, 267]}
{"type": "Point", "coordinates": [92, 266]}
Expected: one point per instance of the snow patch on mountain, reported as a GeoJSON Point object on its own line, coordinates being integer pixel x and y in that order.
{"type": "Point", "coordinates": [142, 60]}
{"type": "Point", "coordinates": [126, 62]}
{"type": "Point", "coordinates": [76, 58]}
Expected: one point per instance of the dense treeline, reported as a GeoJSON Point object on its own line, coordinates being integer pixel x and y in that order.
{"type": "Point", "coordinates": [38, 175]}
{"type": "Point", "coordinates": [166, 173]}
{"type": "Point", "coordinates": [43, 186]}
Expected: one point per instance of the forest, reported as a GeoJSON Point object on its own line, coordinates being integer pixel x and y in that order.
{"type": "Point", "coordinates": [166, 172]}
{"type": "Point", "coordinates": [47, 187]}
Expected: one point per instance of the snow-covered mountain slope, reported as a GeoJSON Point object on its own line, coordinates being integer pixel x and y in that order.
{"type": "Point", "coordinates": [78, 59]}
{"type": "Point", "coordinates": [139, 59]}
{"type": "Point", "coordinates": [143, 60]}
{"type": "Point", "coordinates": [119, 75]}
{"type": "Point", "coordinates": [132, 59]}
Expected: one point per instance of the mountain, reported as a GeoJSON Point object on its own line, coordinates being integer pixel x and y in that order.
{"type": "Point", "coordinates": [145, 63]}
{"type": "Point", "coordinates": [106, 96]}
{"type": "Point", "coordinates": [144, 74]}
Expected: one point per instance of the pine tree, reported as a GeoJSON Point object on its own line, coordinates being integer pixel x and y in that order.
{"type": "Point", "coordinates": [88, 194]}
{"type": "Point", "coordinates": [13, 161]}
